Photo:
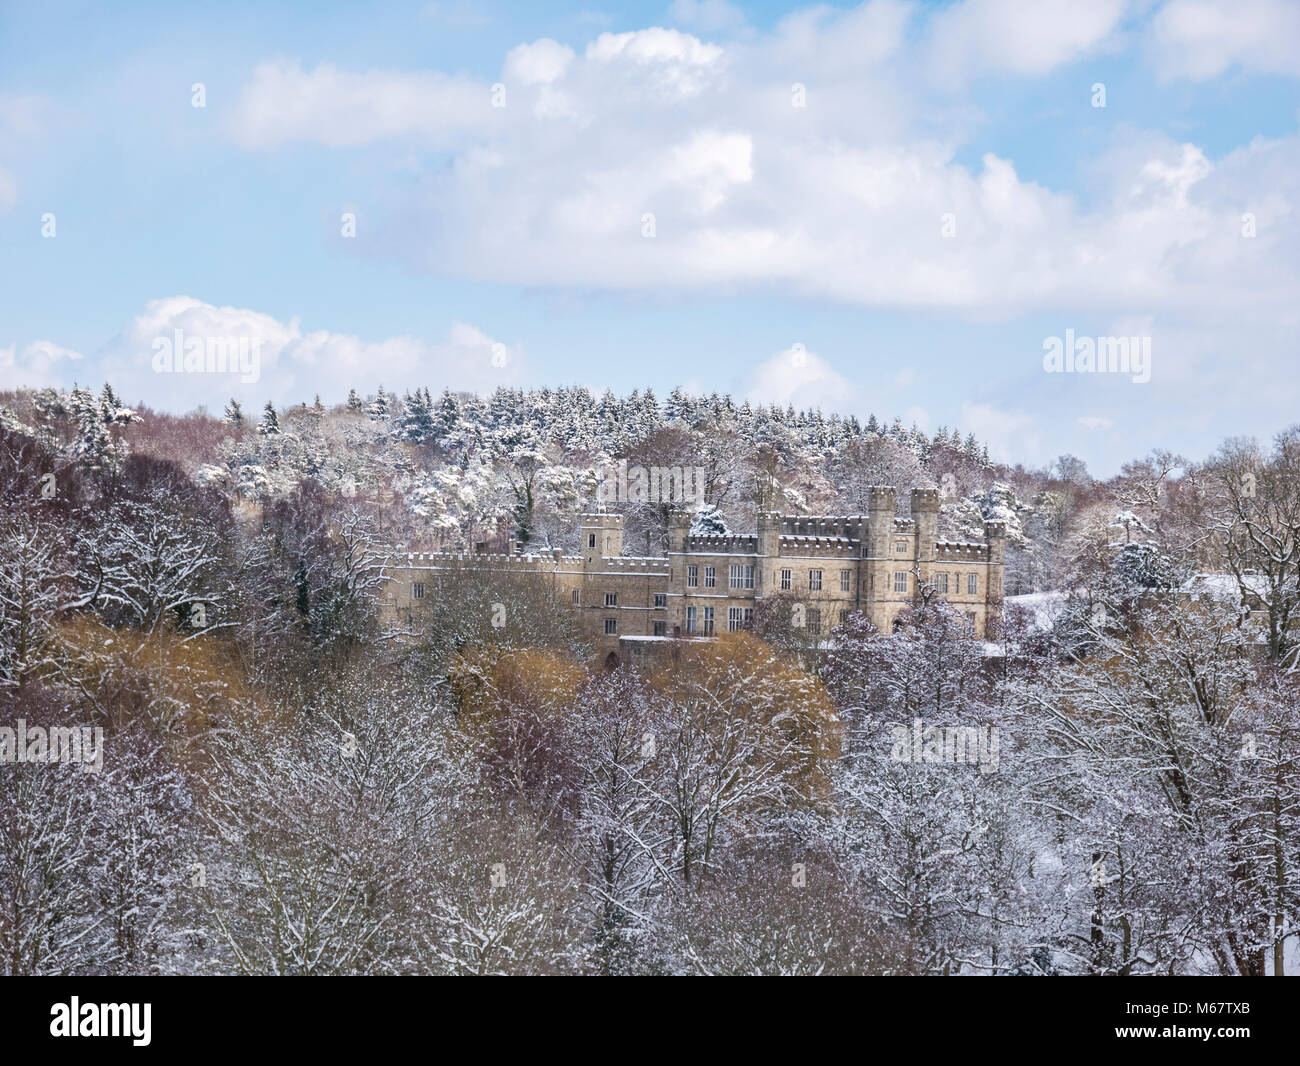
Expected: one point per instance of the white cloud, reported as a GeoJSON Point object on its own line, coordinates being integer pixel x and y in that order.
{"type": "Point", "coordinates": [283, 103]}
{"type": "Point", "coordinates": [1094, 422]}
{"type": "Point", "coordinates": [1012, 436]}
{"type": "Point", "coordinates": [707, 16]}
{"type": "Point", "coordinates": [38, 364]}
{"type": "Point", "coordinates": [802, 378]}
{"type": "Point", "coordinates": [538, 63]}
{"type": "Point", "coordinates": [977, 37]}
{"type": "Point", "coordinates": [294, 363]}
{"type": "Point", "coordinates": [1199, 39]}
{"type": "Point", "coordinates": [843, 199]}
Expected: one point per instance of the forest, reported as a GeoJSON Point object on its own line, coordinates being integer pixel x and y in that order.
{"type": "Point", "coordinates": [288, 787]}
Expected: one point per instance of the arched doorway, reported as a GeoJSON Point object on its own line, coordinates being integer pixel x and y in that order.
{"type": "Point", "coordinates": [612, 660]}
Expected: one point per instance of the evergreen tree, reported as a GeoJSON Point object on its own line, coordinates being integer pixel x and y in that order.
{"type": "Point", "coordinates": [381, 407]}
{"type": "Point", "coordinates": [270, 424]}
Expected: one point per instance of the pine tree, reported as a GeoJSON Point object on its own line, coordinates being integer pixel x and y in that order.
{"type": "Point", "coordinates": [93, 448]}
{"type": "Point", "coordinates": [270, 424]}
{"type": "Point", "coordinates": [381, 406]}
{"type": "Point", "coordinates": [354, 401]}
{"type": "Point", "coordinates": [234, 413]}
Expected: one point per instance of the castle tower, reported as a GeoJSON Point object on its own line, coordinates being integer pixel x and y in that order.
{"type": "Point", "coordinates": [679, 529]}
{"type": "Point", "coordinates": [769, 535]}
{"type": "Point", "coordinates": [602, 538]}
{"type": "Point", "coordinates": [995, 534]}
{"type": "Point", "coordinates": [925, 517]}
{"type": "Point", "coordinates": [881, 501]}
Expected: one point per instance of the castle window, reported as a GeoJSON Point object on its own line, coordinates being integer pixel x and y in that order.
{"type": "Point", "coordinates": [815, 580]}
{"type": "Point", "coordinates": [814, 621]}
{"type": "Point", "coordinates": [611, 599]}
{"type": "Point", "coordinates": [900, 580]}
{"type": "Point", "coordinates": [708, 621]}
{"type": "Point", "coordinates": [417, 591]}
{"type": "Point", "coordinates": [866, 551]}
{"type": "Point", "coordinates": [661, 599]}
{"type": "Point", "coordinates": [710, 577]}
{"type": "Point", "coordinates": [661, 629]}
{"type": "Point", "coordinates": [690, 619]}
{"type": "Point", "coordinates": [734, 619]}
{"type": "Point", "coordinates": [970, 620]}
{"type": "Point", "coordinates": [900, 545]}
{"type": "Point", "coordinates": [785, 579]}
{"type": "Point", "coordinates": [748, 615]}
{"type": "Point", "coordinates": [972, 584]}
{"type": "Point", "coordinates": [844, 617]}
{"type": "Point", "coordinates": [692, 576]}
{"type": "Point", "coordinates": [591, 540]}
{"type": "Point", "coordinates": [846, 576]}
{"type": "Point", "coordinates": [741, 576]}
{"type": "Point", "coordinates": [941, 584]}
{"type": "Point", "coordinates": [611, 626]}
{"type": "Point", "coordinates": [577, 598]}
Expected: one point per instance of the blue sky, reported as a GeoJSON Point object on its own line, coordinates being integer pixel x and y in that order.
{"type": "Point", "coordinates": [519, 230]}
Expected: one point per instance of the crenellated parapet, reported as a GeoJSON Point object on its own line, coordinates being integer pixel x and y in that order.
{"type": "Point", "coordinates": [723, 543]}
{"type": "Point", "coordinates": [961, 551]}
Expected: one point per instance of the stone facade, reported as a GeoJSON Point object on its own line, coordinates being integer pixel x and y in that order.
{"type": "Point", "coordinates": [829, 566]}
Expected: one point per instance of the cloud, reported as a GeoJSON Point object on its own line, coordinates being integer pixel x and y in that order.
{"type": "Point", "coordinates": [1094, 422]}
{"type": "Point", "coordinates": [38, 364]}
{"type": "Point", "coordinates": [283, 103]}
{"type": "Point", "coordinates": [538, 63]}
{"type": "Point", "coordinates": [293, 362]}
{"type": "Point", "coordinates": [847, 198]}
{"type": "Point", "coordinates": [22, 120]}
{"type": "Point", "coordinates": [802, 378]}
{"type": "Point", "coordinates": [1198, 40]}
{"type": "Point", "coordinates": [707, 16]}
{"type": "Point", "coordinates": [1010, 37]}
{"type": "Point", "coordinates": [1012, 436]}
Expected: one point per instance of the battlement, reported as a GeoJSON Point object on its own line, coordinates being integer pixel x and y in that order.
{"type": "Point", "coordinates": [522, 563]}
{"type": "Point", "coordinates": [925, 500]}
{"type": "Point", "coordinates": [961, 551]}
{"type": "Point", "coordinates": [601, 521]}
{"type": "Point", "coordinates": [656, 564]}
{"type": "Point", "coordinates": [995, 528]}
{"type": "Point", "coordinates": [723, 543]}
{"type": "Point", "coordinates": [805, 525]}
{"type": "Point", "coordinates": [834, 547]}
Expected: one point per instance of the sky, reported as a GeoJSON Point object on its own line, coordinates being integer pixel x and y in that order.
{"type": "Point", "coordinates": [897, 208]}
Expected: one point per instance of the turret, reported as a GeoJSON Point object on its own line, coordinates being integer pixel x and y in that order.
{"type": "Point", "coordinates": [881, 501]}
{"type": "Point", "coordinates": [602, 537]}
{"type": "Point", "coordinates": [679, 529]}
{"type": "Point", "coordinates": [769, 534]}
{"type": "Point", "coordinates": [925, 516]}
{"type": "Point", "coordinates": [995, 533]}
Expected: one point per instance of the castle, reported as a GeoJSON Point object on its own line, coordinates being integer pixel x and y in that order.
{"type": "Point", "coordinates": [826, 566]}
